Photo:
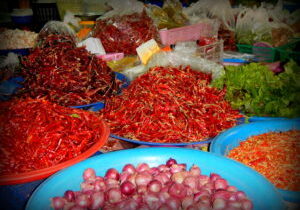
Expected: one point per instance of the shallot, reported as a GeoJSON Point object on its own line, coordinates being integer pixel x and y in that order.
{"type": "Point", "coordinates": [173, 187]}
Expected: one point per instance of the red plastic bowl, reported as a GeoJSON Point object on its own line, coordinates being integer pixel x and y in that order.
{"type": "Point", "coordinates": [43, 173]}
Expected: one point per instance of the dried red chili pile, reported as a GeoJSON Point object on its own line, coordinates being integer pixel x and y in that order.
{"type": "Point", "coordinates": [276, 155]}
{"type": "Point", "coordinates": [125, 33]}
{"type": "Point", "coordinates": [62, 73]}
{"type": "Point", "coordinates": [169, 105]}
{"type": "Point", "coordinates": [37, 134]}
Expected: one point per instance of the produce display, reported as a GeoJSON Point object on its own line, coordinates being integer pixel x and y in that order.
{"type": "Point", "coordinates": [170, 105]}
{"type": "Point", "coordinates": [273, 154]}
{"type": "Point", "coordinates": [167, 186]}
{"type": "Point", "coordinates": [62, 73]}
{"type": "Point", "coordinates": [37, 134]}
{"type": "Point", "coordinates": [17, 39]}
{"type": "Point", "coordinates": [125, 33]}
{"type": "Point", "coordinates": [256, 90]}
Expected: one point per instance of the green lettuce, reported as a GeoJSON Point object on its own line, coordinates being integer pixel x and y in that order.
{"type": "Point", "coordinates": [255, 90]}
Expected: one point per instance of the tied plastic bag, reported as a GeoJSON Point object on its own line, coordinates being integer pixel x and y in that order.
{"type": "Point", "coordinates": [56, 28]}
{"type": "Point", "coordinates": [262, 24]}
{"type": "Point", "coordinates": [161, 18]}
{"type": "Point", "coordinates": [124, 7]}
{"type": "Point", "coordinates": [8, 66]}
{"type": "Point", "coordinates": [125, 33]}
{"type": "Point", "coordinates": [184, 54]}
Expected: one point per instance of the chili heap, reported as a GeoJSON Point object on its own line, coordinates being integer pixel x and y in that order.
{"type": "Point", "coordinates": [169, 105]}
{"type": "Point", "coordinates": [37, 134]}
{"type": "Point", "coordinates": [62, 73]}
{"type": "Point", "coordinates": [276, 155]}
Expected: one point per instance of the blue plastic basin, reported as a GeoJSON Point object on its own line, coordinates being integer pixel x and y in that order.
{"type": "Point", "coordinates": [231, 138]}
{"type": "Point", "coordinates": [258, 189]}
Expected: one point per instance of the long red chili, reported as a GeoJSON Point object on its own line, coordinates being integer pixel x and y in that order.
{"type": "Point", "coordinates": [37, 134]}
{"type": "Point", "coordinates": [62, 73]}
{"type": "Point", "coordinates": [170, 105]}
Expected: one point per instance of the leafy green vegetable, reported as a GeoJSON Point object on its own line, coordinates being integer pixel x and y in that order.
{"type": "Point", "coordinates": [256, 90]}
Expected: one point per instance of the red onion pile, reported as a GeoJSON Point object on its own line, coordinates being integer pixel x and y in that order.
{"type": "Point", "coordinates": [65, 74]}
{"type": "Point", "coordinates": [164, 187]}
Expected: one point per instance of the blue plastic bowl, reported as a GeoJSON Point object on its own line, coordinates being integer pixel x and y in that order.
{"type": "Point", "coordinates": [24, 51]}
{"type": "Point", "coordinates": [262, 193]}
{"type": "Point", "coordinates": [100, 105]}
{"type": "Point", "coordinates": [231, 138]}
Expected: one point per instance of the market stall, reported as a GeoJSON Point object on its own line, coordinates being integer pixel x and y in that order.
{"type": "Point", "coordinates": [131, 105]}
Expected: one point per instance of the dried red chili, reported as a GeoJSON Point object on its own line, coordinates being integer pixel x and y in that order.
{"type": "Point", "coordinates": [170, 105]}
{"type": "Point", "coordinates": [37, 134]}
{"type": "Point", "coordinates": [276, 155]}
{"type": "Point", "coordinates": [62, 73]}
{"type": "Point", "coordinates": [125, 33]}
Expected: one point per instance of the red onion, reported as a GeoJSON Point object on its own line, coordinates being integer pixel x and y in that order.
{"type": "Point", "coordinates": [152, 200]}
{"type": "Point", "coordinates": [177, 190]}
{"type": "Point", "coordinates": [192, 207]}
{"type": "Point", "coordinates": [219, 203]}
{"type": "Point", "coordinates": [112, 174]}
{"type": "Point", "coordinates": [129, 168]}
{"type": "Point", "coordinates": [177, 168]}
{"type": "Point", "coordinates": [154, 186]}
{"type": "Point", "coordinates": [127, 188]}
{"type": "Point", "coordinates": [213, 177]}
{"type": "Point", "coordinates": [97, 200]}
{"type": "Point", "coordinates": [111, 183]}
{"type": "Point", "coordinates": [82, 200]}
{"type": "Point", "coordinates": [89, 173]}
{"type": "Point", "coordinates": [99, 185]}
{"type": "Point", "coordinates": [179, 177]}
{"type": "Point", "coordinates": [247, 204]}
{"type": "Point", "coordinates": [75, 207]}
{"type": "Point", "coordinates": [143, 178]}
{"type": "Point", "coordinates": [142, 189]}
{"type": "Point", "coordinates": [195, 171]}
{"type": "Point", "coordinates": [187, 201]}
{"type": "Point", "coordinates": [142, 167]}
{"type": "Point", "coordinates": [124, 176]}
{"type": "Point", "coordinates": [200, 195]}
{"type": "Point", "coordinates": [203, 179]}
{"type": "Point", "coordinates": [234, 204]}
{"type": "Point", "coordinates": [58, 202]}
{"type": "Point", "coordinates": [164, 207]}
{"type": "Point", "coordinates": [173, 203]}
{"type": "Point", "coordinates": [154, 171]}
{"type": "Point", "coordinates": [113, 195]}
{"type": "Point", "coordinates": [220, 184]}
{"type": "Point", "coordinates": [87, 186]}
{"type": "Point", "coordinates": [231, 189]}
{"type": "Point", "coordinates": [69, 195]}
{"type": "Point", "coordinates": [191, 181]}
{"type": "Point", "coordinates": [163, 168]}
{"type": "Point", "coordinates": [163, 196]}
{"type": "Point", "coordinates": [240, 195]}
{"type": "Point", "coordinates": [171, 162]}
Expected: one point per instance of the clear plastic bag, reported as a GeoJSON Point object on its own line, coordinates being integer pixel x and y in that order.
{"type": "Point", "coordinates": [125, 33]}
{"type": "Point", "coordinates": [56, 28]}
{"type": "Point", "coordinates": [8, 66]}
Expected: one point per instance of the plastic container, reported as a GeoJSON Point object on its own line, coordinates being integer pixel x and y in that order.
{"type": "Point", "coordinates": [244, 178]}
{"type": "Point", "coordinates": [22, 16]}
{"type": "Point", "coordinates": [43, 173]}
{"type": "Point", "coordinates": [263, 54]}
{"type": "Point", "coordinates": [231, 138]}
{"type": "Point", "coordinates": [213, 52]}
